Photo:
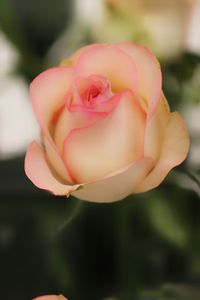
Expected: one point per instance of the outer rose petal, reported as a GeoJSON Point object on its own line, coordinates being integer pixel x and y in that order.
{"type": "Point", "coordinates": [51, 297]}
{"type": "Point", "coordinates": [110, 144]}
{"type": "Point", "coordinates": [70, 61]}
{"type": "Point", "coordinates": [70, 120]}
{"type": "Point", "coordinates": [38, 171]}
{"type": "Point", "coordinates": [148, 68]}
{"type": "Point", "coordinates": [55, 161]}
{"type": "Point", "coordinates": [149, 73]}
{"type": "Point", "coordinates": [174, 150]}
{"type": "Point", "coordinates": [110, 62]}
{"type": "Point", "coordinates": [155, 130]}
{"type": "Point", "coordinates": [48, 92]}
{"type": "Point", "coordinates": [118, 185]}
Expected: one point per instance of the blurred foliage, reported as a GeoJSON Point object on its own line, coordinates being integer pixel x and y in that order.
{"type": "Point", "coordinates": [33, 26]}
{"type": "Point", "coordinates": [144, 247]}
{"type": "Point", "coordinates": [181, 81]}
{"type": "Point", "coordinates": [124, 23]}
{"type": "Point", "coordinates": [172, 292]}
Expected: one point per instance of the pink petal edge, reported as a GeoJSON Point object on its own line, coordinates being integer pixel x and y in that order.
{"type": "Point", "coordinates": [51, 297]}
{"type": "Point", "coordinates": [117, 185]}
{"type": "Point", "coordinates": [150, 75]}
{"type": "Point", "coordinates": [100, 59]}
{"type": "Point", "coordinates": [174, 151]}
{"type": "Point", "coordinates": [80, 158]}
{"type": "Point", "coordinates": [48, 91]}
{"type": "Point", "coordinates": [38, 171]}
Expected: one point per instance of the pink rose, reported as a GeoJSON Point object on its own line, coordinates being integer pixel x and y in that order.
{"type": "Point", "coordinates": [106, 127]}
{"type": "Point", "coordinates": [51, 297]}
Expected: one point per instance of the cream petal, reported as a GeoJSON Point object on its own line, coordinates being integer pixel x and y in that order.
{"type": "Point", "coordinates": [155, 130]}
{"type": "Point", "coordinates": [38, 171]}
{"type": "Point", "coordinates": [70, 120]}
{"type": "Point", "coordinates": [108, 145]}
{"type": "Point", "coordinates": [110, 62]}
{"type": "Point", "coordinates": [116, 186]}
{"type": "Point", "coordinates": [174, 150]}
{"type": "Point", "coordinates": [64, 125]}
{"type": "Point", "coordinates": [56, 161]}
{"type": "Point", "coordinates": [71, 60]}
{"type": "Point", "coordinates": [149, 73]}
{"type": "Point", "coordinates": [67, 121]}
{"type": "Point", "coordinates": [48, 92]}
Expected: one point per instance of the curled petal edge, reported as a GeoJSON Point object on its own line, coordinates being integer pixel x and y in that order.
{"type": "Point", "coordinates": [118, 185]}
{"type": "Point", "coordinates": [174, 151]}
{"type": "Point", "coordinates": [94, 140]}
{"type": "Point", "coordinates": [38, 171]}
{"type": "Point", "coordinates": [51, 297]}
{"type": "Point", "coordinates": [103, 190]}
{"type": "Point", "coordinates": [48, 91]}
{"type": "Point", "coordinates": [149, 74]}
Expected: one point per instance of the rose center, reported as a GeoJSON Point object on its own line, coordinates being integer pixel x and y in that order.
{"type": "Point", "coordinates": [93, 92]}
{"type": "Point", "coordinates": [90, 93]}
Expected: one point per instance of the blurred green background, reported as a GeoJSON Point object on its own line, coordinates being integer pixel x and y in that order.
{"type": "Point", "coordinates": [146, 247]}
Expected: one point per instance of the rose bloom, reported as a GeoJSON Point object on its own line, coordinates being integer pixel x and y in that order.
{"type": "Point", "coordinates": [161, 25]}
{"type": "Point", "coordinates": [51, 297]}
{"type": "Point", "coordinates": [106, 127]}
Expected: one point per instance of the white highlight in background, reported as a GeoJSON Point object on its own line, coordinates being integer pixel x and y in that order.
{"type": "Point", "coordinates": [17, 123]}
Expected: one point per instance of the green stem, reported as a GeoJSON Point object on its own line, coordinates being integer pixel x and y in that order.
{"type": "Point", "coordinates": [75, 213]}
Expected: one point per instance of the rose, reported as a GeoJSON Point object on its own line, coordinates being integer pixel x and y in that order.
{"type": "Point", "coordinates": [51, 297]}
{"type": "Point", "coordinates": [105, 124]}
{"type": "Point", "coordinates": [160, 25]}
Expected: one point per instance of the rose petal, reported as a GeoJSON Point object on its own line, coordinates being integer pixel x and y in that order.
{"type": "Point", "coordinates": [71, 60]}
{"type": "Point", "coordinates": [48, 92]}
{"type": "Point", "coordinates": [118, 185]}
{"type": "Point", "coordinates": [38, 171]}
{"type": "Point", "coordinates": [110, 144]}
{"type": "Point", "coordinates": [155, 130]}
{"type": "Point", "coordinates": [83, 86]}
{"type": "Point", "coordinates": [56, 162]}
{"type": "Point", "coordinates": [174, 150]}
{"type": "Point", "coordinates": [51, 297]}
{"type": "Point", "coordinates": [112, 63]}
{"type": "Point", "coordinates": [71, 120]}
{"type": "Point", "coordinates": [149, 73]}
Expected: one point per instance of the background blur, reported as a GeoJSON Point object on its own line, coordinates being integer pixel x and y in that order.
{"type": "Point", "coordinates": [146, 247]}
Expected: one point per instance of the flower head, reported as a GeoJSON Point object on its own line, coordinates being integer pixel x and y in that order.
{"type": "Point", "coordinates": [106, 127]}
